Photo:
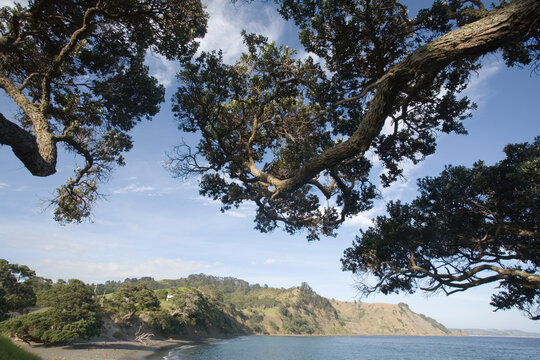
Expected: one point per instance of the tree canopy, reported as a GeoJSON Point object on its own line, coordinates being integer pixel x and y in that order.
{"type": "Point", "coordinates": [76, 71]}
{"type": "Point", "coordinates": [16, 290]}
{"type": "Point", "coordinates": [132, 298]}
{"type": "Point", "coordinates": [294, 137]}
{"type": "Point", "coordinates": [73, 313]}
{"type": "Point", "coordinates": [468, 227]}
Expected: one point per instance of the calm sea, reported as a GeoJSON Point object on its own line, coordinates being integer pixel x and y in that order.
{"type": "Point", "coordinates": [359, 348]}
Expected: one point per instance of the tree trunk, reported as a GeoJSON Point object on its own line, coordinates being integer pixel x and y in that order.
{"type": "Point", "coordinates": [25, 147]}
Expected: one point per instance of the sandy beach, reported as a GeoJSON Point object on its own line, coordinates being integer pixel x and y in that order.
{"type": "Point", "coordinates": [102, 349]}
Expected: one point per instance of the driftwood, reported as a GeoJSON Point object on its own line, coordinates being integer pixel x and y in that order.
{"type": "Point", "coordinates": [128, 316]}
{"type": "Point", "coordinates": [143, 337]}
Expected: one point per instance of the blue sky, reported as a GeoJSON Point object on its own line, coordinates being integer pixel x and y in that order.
{"type": "Point", "coordinates": [154, 225]}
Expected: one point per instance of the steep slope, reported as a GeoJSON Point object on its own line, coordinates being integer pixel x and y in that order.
{"type": "Point", "coordinates": [202, 305]}
{"type": "Point", "coordinates": [386, 319]}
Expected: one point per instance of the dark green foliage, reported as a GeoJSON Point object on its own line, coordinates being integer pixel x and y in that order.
{"type": "Point", "coordinates": [162, 322]}
{"type": "Point", "coordinates": [274, 327]}
{"type": "Point", "coordinates": [308, 298]}
{"type": "Point", "coordinates": [130, 299]}
{"type": "Point", "coordinates": [76, 70]}
{"type": "Point", "coordinates": [468, 227]}
{"type": "Point", "coordinates": [292, 139]}
{"type": "Point", "coordinates": [16, 290]}
{"type": "Point", "coordinates": [298, 324]}
{"type": "Point", "coordinates": [225, 285]}
{"type": "Point", "coordinates": [73, 314]}
{"type": "Point", "coordinates": [161, 294]}
{"type": "Point", "coordinates": [243, 112]}
{"type": "Point", "coordinates": [200, 309]}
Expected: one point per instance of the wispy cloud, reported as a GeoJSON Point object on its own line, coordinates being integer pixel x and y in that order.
{"type": "Point", "coordinates": [478, 89]}
{"type": "Point", "coordinates": [172, 190]}
{"type": "Point", "coordinates": [161, 68]}
{"type": "Point", "coordinates": [395, 191]}
{"type": "Point", "coordinates": [133, 188]}
{"type": "Point", "coordinates": [11, 2]}
{"type": "Point", "coordinates": [227, 21]}
{"type": "Point", "coordinates": [270, 261]}
{"type": "Point", "coordinates": [54, 245]}
{"type": "Point", "coordinates": [159, 268]}
{"type": "Point", "coordinates": [3, 185]}
{"type": "Point", "coordinates": [237, 214]}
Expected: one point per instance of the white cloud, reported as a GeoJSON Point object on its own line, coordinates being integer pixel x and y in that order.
{"type": "Point", "coordinates": [3, 185]}
{"type": "Point", "coordinates": [227, 21]}
{"type": "Point", "coordinates": [104, 222]}
{"type": "Point", "coordinates": [245, 210]}
{"type": "Point", "coordinates": [396, 191]}
{"type": "Point", "coordinates": [270, 261]}
{"type": "Point", "coordinates": [237, 214]}
{"type": "Point", "coordinates": [54, 243]}
{"type": "Point", "coordinates": [158, 268]}
{"type": "Point", "coordinates": [172, 189]}
{"type": "Point", "coordinates": [161, 68]}
{"type": "Point", "coordinates": [11, 2]}
{"type": "Point", "coordinates": [478, 89]}
{"type": "Point", "coordinates": [133, 189]}
{"type": "Point", "coordinates": [362, 221]}
{"type": "Point", "coordinates": [51, 245]}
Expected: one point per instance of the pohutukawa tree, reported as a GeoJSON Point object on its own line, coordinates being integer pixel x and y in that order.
{"type": "Point", "coordinates": [16, 291]}
{"type": "Point", "coordinates": [292, 137]}
{"type": "Point", "coordinates": [75, 69]}
{"type": "Point", "coordinates": [468, 227]}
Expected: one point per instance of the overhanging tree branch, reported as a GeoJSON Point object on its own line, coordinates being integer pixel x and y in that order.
{"type": "Point", "coordinates": [444, 241]}
{"type": "Point", "coordinates": [478, 38]}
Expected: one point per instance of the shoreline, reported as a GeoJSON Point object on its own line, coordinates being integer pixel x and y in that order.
{"type": "Point", "coordinates": [108, 349]}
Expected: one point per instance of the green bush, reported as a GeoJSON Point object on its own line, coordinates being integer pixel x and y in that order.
{"type": "Point", "coordinates": [74, 314]}
{"type": "Point", "coordinates": [161, 294]}
{"type": "Point", "coordinates": [299, 325]}
{"type": "Point", "coordinates": [16, 292]}
{"type": "Point", "coordinates": [132, 299]}
{"type": "Point", "coordinates": [162, 322]}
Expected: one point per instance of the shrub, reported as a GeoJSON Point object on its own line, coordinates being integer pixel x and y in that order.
{"type": "Point", "coordinates": [118, 335]}
{"type": "Point", "coordinates": [74, 314]}
{"type": "Point", "coordinates": [132, 298]}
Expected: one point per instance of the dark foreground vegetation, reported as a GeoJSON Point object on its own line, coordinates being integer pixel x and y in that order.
{"type": "Point", "coordinates": [9, 351]}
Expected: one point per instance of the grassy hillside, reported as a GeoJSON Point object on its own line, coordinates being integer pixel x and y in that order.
{"type": "Point", "coordinates": [9, 351]}
{"type": "Point", "coordinates": [203, 305]}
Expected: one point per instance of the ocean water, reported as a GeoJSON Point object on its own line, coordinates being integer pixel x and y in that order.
{"type": "Point", "coordinates": [359, 348]}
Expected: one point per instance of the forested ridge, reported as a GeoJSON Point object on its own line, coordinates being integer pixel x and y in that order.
{"type": "Point", "coordinates": [195, 306]}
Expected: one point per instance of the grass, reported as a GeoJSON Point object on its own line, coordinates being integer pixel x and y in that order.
{"type": "Point", "coordinates": [10, 351]}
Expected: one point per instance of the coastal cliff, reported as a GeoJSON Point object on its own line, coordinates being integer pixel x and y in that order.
{"type": "Point", "coordinates": [202, 305]}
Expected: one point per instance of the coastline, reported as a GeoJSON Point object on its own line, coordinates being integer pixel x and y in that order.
{"type": "Point", "coordinates": [112, 349]}
{"type": "Point", "coordinates": [106, 349]}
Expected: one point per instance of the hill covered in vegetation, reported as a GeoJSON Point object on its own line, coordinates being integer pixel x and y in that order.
{"type": "Point", "coordinates": [208, 305]}
{"type": "Point", "coordinates": [197, 306]}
